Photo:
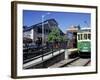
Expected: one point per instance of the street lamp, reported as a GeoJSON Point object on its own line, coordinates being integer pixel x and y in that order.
{"type": "Point", "coordinates": [43, 16]}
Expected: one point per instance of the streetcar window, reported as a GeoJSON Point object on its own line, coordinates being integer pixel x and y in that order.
{"type": "Point", "coordinates": [89, 36]}
{"type": "Point", "coordinates": [85, 36]}
{"type": "Point", "coordinates": [81, 37]}
{"type": "Point", "coordinates": [78, 36]}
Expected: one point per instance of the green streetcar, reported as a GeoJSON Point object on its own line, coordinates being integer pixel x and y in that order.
{"type": "Point", "coordinates": [84, 41]}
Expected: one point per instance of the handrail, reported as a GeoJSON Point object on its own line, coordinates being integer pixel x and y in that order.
{"type": "Point", "coordinates": [42, 55]}
{"type": "Point", "coordinates": [41, 59]}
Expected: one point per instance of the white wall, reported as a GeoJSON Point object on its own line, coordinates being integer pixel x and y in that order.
{"type": "Point", "coordinates": [28, 34]}
{"type": "Point", "coordinates": [5, 41]}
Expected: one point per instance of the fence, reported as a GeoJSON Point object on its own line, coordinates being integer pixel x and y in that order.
{"type": "Point", "coordinates": [34, 52]}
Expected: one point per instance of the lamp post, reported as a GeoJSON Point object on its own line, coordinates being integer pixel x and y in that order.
{"type": "Point", "coordinates": [43, 16]}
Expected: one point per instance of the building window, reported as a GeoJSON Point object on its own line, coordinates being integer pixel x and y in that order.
{"type": "Point", "coordinates": [46, 31]}
{"type": "Point", "coordinates": [39, 30]}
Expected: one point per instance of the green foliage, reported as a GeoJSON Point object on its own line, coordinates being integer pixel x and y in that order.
{"type": "Point", "coordinates": [55, 35]}
{"type": "Point", "coordinates": [63, 38]}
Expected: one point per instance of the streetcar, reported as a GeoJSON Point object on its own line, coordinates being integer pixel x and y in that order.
{"type": "Point", "coordinates": [84, 41]}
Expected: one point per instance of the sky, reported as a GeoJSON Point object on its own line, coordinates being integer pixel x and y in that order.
{"type": "Point", "coordinates": [64, 19]}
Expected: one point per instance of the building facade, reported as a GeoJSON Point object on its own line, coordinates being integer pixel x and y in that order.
{"type": "Point", "coordinates": [40, 31]}
{"type": "Point", "coordinates": [72, 36]}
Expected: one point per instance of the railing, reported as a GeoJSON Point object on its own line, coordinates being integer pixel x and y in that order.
{"type": "Point", "coordinates": [31, 53]}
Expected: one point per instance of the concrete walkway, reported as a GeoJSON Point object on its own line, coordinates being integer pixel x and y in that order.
{"type": "Point", "coordinates": [61, 63]}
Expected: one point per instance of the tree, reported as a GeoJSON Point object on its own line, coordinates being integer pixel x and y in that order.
{"type": "Point", "coordinates": [54, 35]}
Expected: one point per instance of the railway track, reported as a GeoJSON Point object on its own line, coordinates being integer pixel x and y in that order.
{"type": "Point", "coordinates": [77, 62]}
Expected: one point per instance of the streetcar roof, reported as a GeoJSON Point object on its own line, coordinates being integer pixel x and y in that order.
{"type": "Point", "coordinates": [85, 29]}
